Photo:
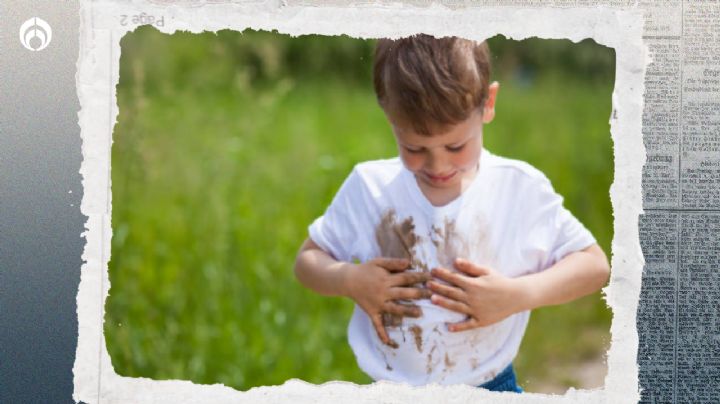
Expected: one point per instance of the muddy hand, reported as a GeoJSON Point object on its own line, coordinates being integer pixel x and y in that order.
{"type": "Point", "coordinates": [378, 284]}
{"type": "Point", "coordinates": [483, 294]}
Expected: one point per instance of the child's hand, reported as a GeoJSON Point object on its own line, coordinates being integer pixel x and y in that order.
{"type": "Point", "coordinates": [482, 293]}
{"type": "Point", "coordinates": [377, 284]}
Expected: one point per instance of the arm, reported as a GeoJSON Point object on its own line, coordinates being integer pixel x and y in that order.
{"type": "Point", "coordinates": [317, 270]}
{"type": "Point", "coordinates": [576, 275]}
{"type": "Point", "coordinates": [374, 285]}
{"type": "Point", "coordinates": [488, 296]}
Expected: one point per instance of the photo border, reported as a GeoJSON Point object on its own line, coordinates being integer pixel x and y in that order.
{"type": "Point", "coordinates": [103, 26]}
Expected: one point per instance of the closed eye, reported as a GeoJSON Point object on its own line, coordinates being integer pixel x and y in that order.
{"type": "Point", "coordinates": [413, 150]}
{"type": "Point", "coordinates": [454, 149]}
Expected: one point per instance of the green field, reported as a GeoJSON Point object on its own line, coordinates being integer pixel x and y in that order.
{"type": "Point", "coordinates": [216, 175]}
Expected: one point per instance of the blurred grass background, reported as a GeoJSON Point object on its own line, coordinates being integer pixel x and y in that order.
{"type": "Point", "coordinates": [226, 148]}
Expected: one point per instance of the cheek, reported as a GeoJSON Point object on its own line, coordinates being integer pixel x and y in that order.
{"type": "Point", "coordinates": [411, 161]}
{"type": "Point", "coordinates": [467, 159]}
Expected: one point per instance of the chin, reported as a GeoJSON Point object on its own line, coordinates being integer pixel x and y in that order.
{"type": "Point", "coordinates": [442, 185]}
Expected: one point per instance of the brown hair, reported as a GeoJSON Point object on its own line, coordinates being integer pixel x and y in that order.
{"type": "Point", "coordinates": [431, 83]}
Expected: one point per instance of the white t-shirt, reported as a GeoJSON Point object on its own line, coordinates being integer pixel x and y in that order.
{"type": "Point", "coordinates": [509, 219]}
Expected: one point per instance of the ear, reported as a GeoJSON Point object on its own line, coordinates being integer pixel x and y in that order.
{"type": "Point", "coordinates": [489, 108]}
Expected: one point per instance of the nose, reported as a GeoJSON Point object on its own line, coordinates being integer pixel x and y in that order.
{"type": "Point", "coordinates": [434, 163]}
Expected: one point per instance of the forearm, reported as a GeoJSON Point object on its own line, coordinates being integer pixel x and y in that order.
{"type": "Point", "coordinates": [318, 271]}
{"type": "Point", "coordinates": [576, 275]}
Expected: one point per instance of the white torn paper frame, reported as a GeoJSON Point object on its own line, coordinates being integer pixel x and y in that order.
{"type": "Point", "coordinates": [102, 28]}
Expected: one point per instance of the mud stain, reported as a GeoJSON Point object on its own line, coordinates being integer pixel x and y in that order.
{"type": "Point", "coordinates": [448, 363]}
{"type": "Point", "coordinates": [435, 234]}
{"type": "Point", "coordinates": [450, 243]}
{"type": "Point", "coordinates": [474, 363]}
{"type": "Point", "coordinates": [397, 240]}
{"type": "Point", "coordinates": [416, 330]}
{"type": "Point", "coordinates": [387, 363]}
{"type": "Point", "coordinates": [422, 266]}
{"type": "Point", "coordinates": [429, 365]}
{"type": "Point", "coordinates": [391, 320]}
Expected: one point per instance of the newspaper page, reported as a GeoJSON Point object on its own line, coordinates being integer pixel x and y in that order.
{"type": "Point", "coordinates": [678, 326]}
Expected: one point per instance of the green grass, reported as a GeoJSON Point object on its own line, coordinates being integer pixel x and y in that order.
{"type": "Point", "coordinates": [213, 192]}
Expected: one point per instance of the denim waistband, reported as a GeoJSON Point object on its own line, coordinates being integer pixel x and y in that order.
{"type": "Point", "coordinates": [504, 381]}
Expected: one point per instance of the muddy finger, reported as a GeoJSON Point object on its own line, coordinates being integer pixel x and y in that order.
{"type": "Point", "coordinates": [392, 320]}
{"type": "Point", "coordinates": [392, 264]}
{"type": "Point", "coordinates": [410, 293]}
{"type": "Point", "coordinates": [380, 329]}
{"type": "Point", "coordinates": [405, 310]}
{"type": "Point", "coordinates": [410, 278]}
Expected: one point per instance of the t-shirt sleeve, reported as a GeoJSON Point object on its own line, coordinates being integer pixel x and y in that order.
{"type": "Point", "coordinates": [553, 232]}
{"type": "Point", "coordinates": [342, 230]}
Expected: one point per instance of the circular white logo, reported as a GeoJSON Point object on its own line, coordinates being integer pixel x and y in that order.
{"type": "Point", "coordinates": [35, 34]}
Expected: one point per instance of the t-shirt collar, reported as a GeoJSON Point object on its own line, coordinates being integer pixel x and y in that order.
{"type": "Point", "coordinates": [453, 206]}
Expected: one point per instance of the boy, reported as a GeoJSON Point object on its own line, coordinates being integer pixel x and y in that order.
{"type": "Point", "coordinates": [447, 248]}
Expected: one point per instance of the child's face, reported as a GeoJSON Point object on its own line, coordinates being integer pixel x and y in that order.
{"type": "Point", "coordinates": [442, 161]}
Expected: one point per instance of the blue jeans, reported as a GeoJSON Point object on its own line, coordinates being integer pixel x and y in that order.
{"type": "Point", "coordinates": [504, 381]}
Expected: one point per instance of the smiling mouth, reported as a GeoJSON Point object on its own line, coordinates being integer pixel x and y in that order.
{"type": "Point", "coordinates": [440, 178]}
